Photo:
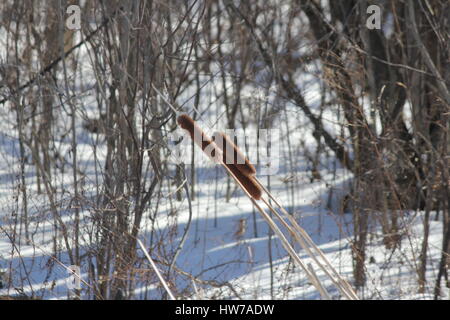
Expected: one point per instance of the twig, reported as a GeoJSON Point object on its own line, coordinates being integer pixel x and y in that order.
{"type": "Point", "coordinates": [186, 230]}
{"type": "Point", "coordinates": [426, 55]}
{"type": "Point", "coordinates": [161, 279]}
{"type": "Point", "coordinates": [55, 62]}
{"type": "Point", "coordinates": [318, 284]}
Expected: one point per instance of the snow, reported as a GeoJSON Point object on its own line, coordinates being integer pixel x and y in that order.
{"type": "Point", "coordinates": [213, 253]}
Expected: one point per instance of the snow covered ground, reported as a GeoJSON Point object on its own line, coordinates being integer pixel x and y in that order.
{"type": "Point", "coordinates": [228, 243]}
{"type": "Point", "coordinates": [228, 250]}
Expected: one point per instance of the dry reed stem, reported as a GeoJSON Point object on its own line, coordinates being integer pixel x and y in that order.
{"type": "Point", "coordinates": [285, 243]}
{"type": "Point", "coordinates": [313, 273]}
{"type": "Point", "coordinates": [302, 236]}
{"type": "Point", "coordinates": [291, 251]}
{"type": "Point", "coordinates": [161, 279]}
{"type": "Point", "coordinates": [342, 284]}
{"type": "Point", "coordinates": [308, 250]}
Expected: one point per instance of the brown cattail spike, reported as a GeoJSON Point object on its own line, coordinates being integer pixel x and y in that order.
{"type": "Point", "coordinates": [203, 141]}
{"type": "Point", "coordinates": [248, 182]}
{"type": "Point", "coordinates": [196, 133]}
{"type": "Point", "coordinates": [232, 154]}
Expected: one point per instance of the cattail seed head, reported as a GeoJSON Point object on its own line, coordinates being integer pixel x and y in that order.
{"type": "Point", "coordinates": [244, 176]}
{"type": "Point", "coordinates": [233, 155]}
{"type": "Point", "coordinates": [197, 134]}
{"type": "Point", "coordinates": [248, 182]}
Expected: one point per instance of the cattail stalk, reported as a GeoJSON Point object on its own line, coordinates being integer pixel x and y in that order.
{"type": "Point", "coordinates": [301, 240]}
{"type": "Point", "coordinates": [309, 246]}
{"type": "Point", "coordinates": [213, 151]}
{"type": "Point", "coordinates": [243, 173]}
{"type": "Point", "coordinates": [155, 268]}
